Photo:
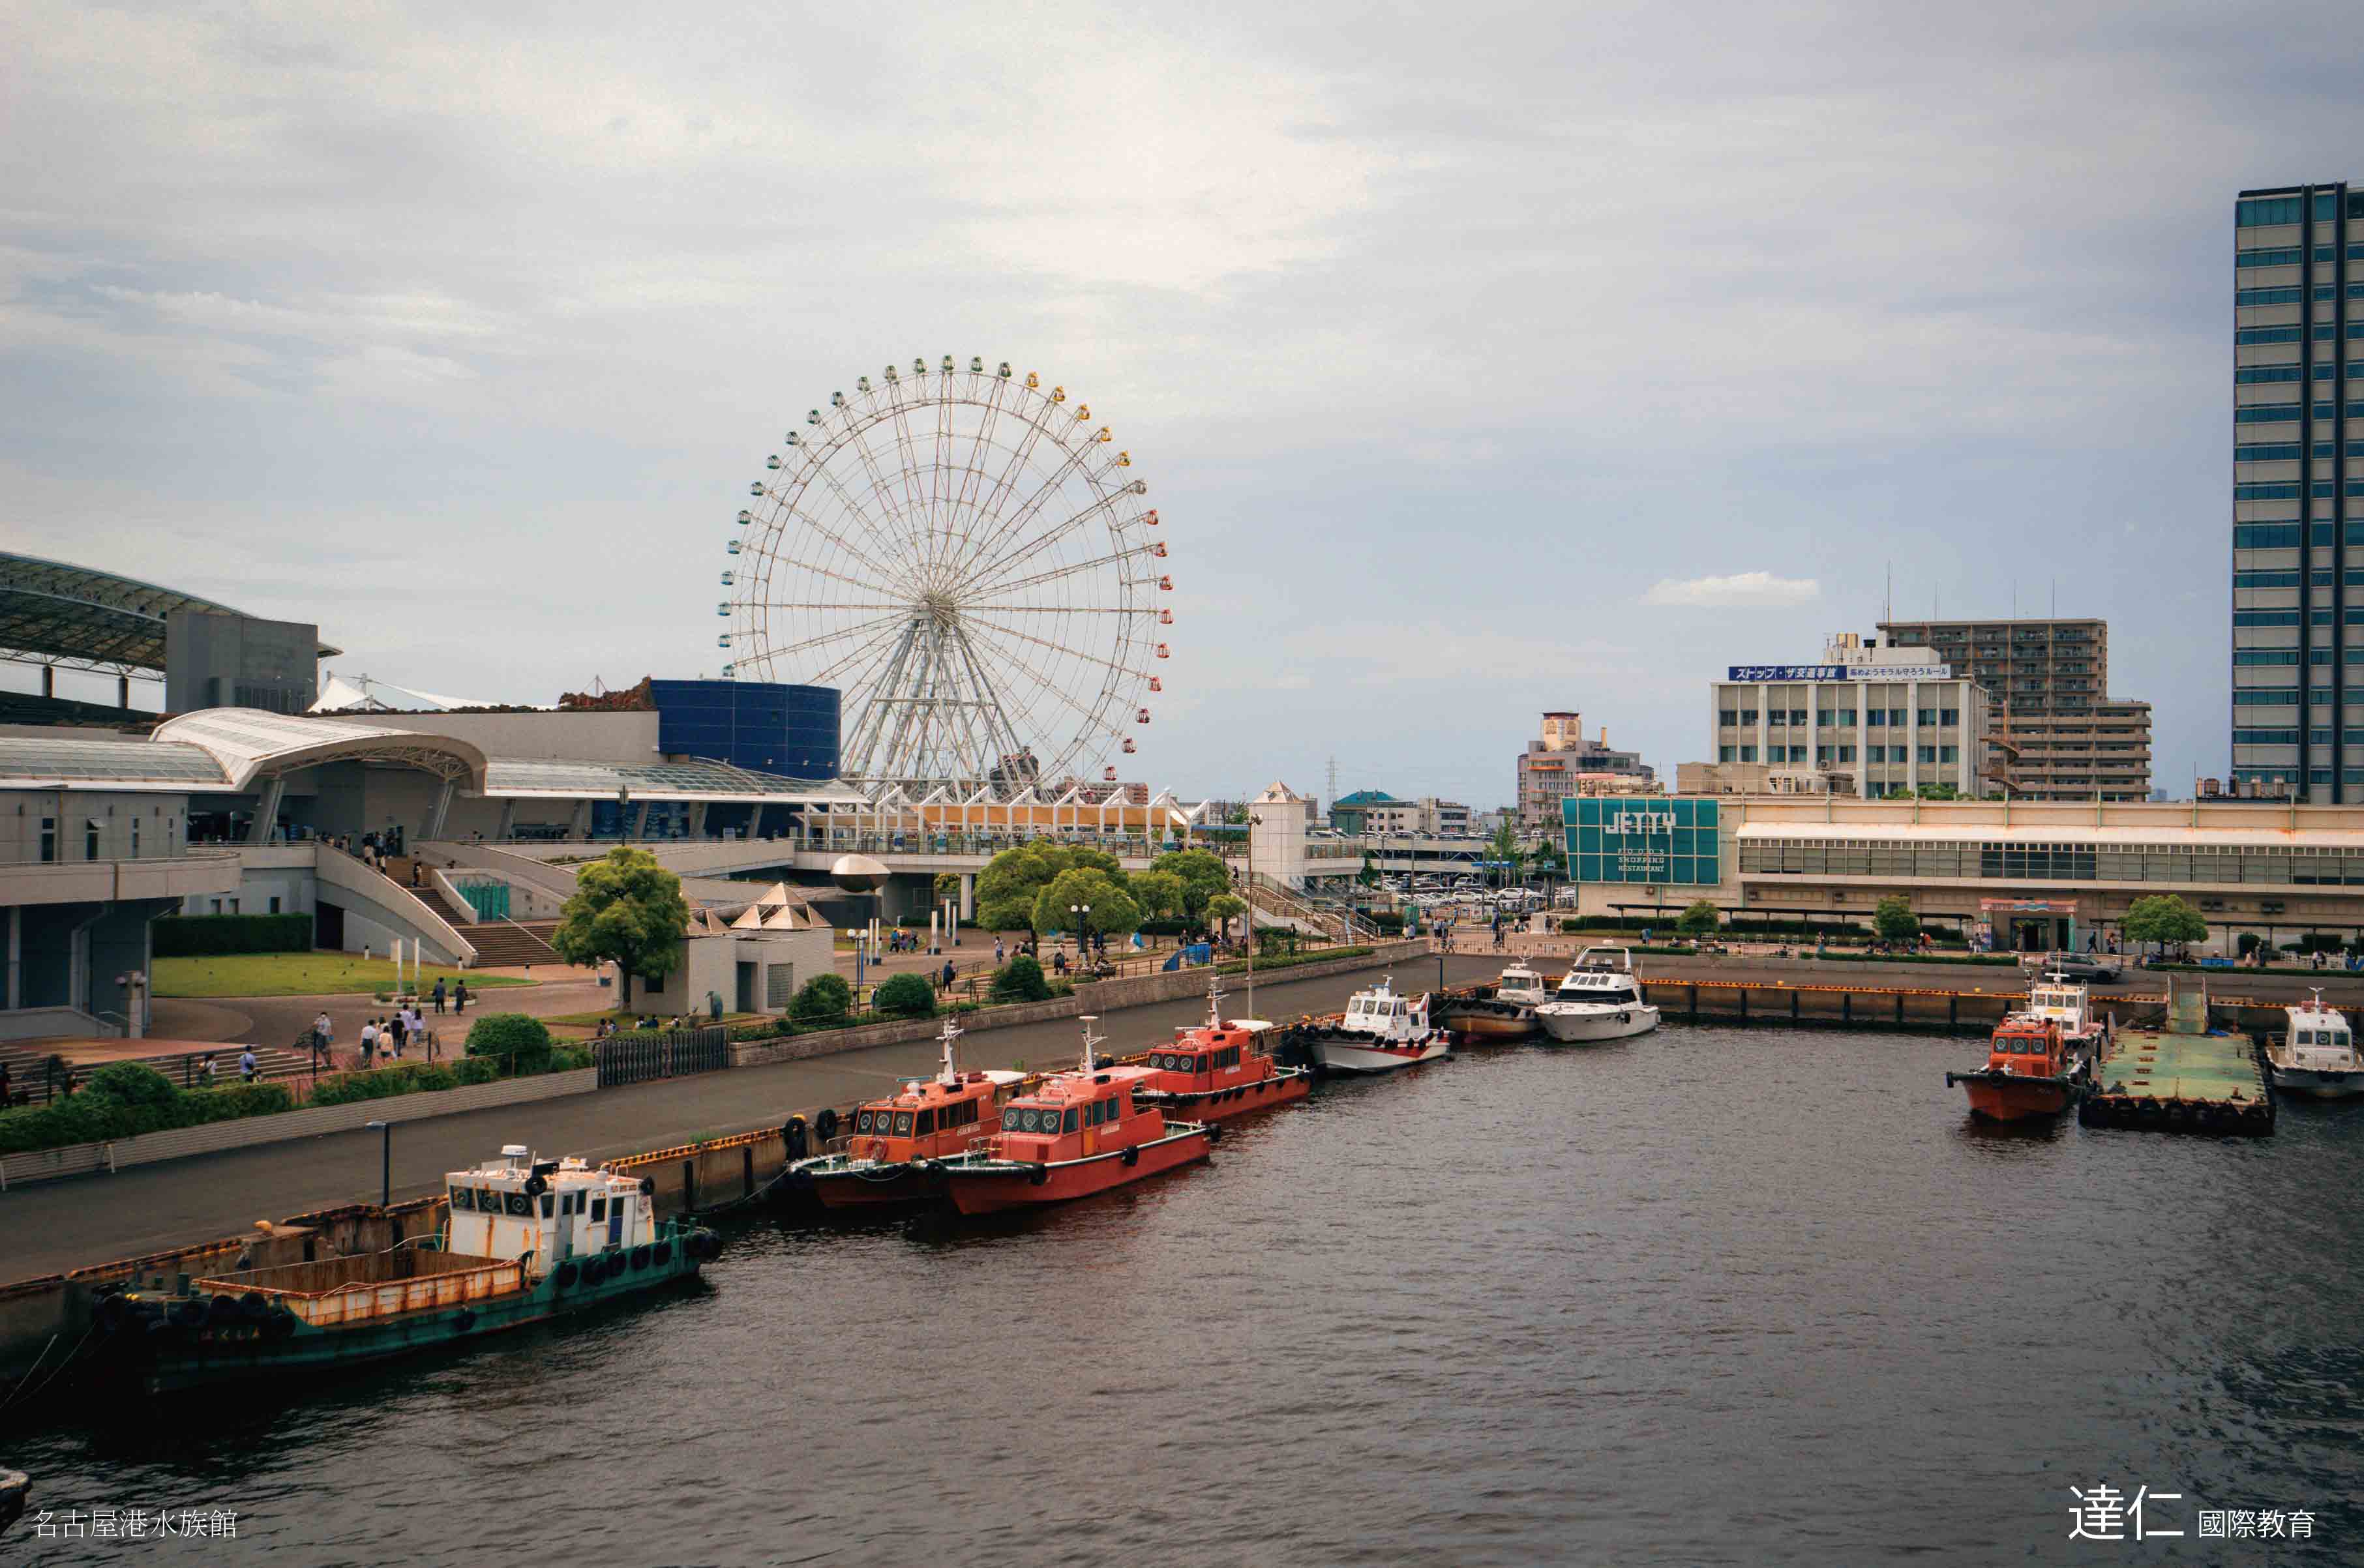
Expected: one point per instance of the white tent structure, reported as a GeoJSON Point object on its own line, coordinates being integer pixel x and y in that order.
{"type": "Point", "coordinates": [362, 694]}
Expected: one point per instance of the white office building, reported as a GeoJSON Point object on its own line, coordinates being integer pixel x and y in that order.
{"type": "Point", "coordinates": [1867, 720]}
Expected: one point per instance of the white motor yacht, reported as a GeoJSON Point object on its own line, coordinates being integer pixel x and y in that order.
{"type": "Point", "coordinates": [2316, 1056]}
{"type": "Point", "coordinates": [1599, 998]}
{"type": "Point", "coordinates": [1379, 1032]}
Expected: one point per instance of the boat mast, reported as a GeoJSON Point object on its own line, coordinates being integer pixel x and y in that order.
{"type": "Point", "coordinates": [952, 1032]}
{"type": "Point", "coordinates": [1091, 1044]}
{"type": "Point", "coordinates": [1214, 1000]}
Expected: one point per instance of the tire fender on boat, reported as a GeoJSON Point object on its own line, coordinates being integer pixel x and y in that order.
{"type": "Point", "coordinates": [1215, 1133]}
{"type": "Point", "coordinates": [1040, 1173]}
{"type": "Point", "coordinates": [1133, 1154]}
{"type": "Point", "coordinates": [792, 1138]}
{"type": "Point", "coordinates": [568, 1272]}
{"type": "Point", "coordinates": [535, 1186]}
{"type": "Point", "coordinates": [463, 1321]}
{"type": "Point", "coordinates": [825, 1123]}
{"type": "Point", "coordinates": [648, 1187]}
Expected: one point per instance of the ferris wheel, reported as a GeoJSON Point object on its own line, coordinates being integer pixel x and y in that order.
{"type": "Point", "coordinates": [965, 557]}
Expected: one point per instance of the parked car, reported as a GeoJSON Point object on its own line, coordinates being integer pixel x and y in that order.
{"type": "Point", "coordinates": [2083, 966]}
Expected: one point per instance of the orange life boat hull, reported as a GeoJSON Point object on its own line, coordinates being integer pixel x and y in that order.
{"type": "Point", "coordinates": [2002, 1096]}
{"type": "Point", "coordinates": [894, 1184]}
{"type": "Point", "coordinates": [1004, 1184]}
{"type": "Point", "coordinates": [1221, 1105]}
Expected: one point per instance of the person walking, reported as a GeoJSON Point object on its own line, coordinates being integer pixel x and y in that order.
{"type": "Point", "coordinates": [438, 993]}
{"type": "Point", "coordinates": [398, 1026]}
{"type": "Point", "coordinates": [369, 1042]}
{"type": "Point", "coordinates": [460, 998]}
{"type": "Point", "coordinates": [324, 1035]}
{"type": "Point", "coordinates": [246, 1065]}
{"type": "Point", "coordinates": [206, 1071]}
{"type": "Point", "coordinates": [948, 976]}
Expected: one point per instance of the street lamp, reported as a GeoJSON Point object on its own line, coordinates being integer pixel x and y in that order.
{"type": "Point", "coordinates": [1255, 822]}
{"type": "Point", "coordinates": [385, 1163]}
{"type": "Point", "coordinates": [1083, 913]}
{"type": "Point", "coordinates": [855, 934]}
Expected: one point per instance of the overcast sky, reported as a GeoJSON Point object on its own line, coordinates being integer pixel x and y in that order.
{"type": "Point", "coordinates": [1479, 359]}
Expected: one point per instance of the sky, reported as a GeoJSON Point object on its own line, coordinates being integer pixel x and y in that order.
{"type": "Point", "coordinates": [1479, 359]}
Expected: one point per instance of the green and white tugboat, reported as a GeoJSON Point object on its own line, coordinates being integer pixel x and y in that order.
{"type": "Point", "coordinates": [527, 1240]}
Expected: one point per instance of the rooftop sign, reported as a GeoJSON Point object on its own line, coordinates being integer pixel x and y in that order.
{"type": "Point", "coordinates": [1841, 672]}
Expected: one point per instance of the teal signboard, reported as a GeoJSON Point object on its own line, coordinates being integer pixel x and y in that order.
{"type": "Point", "coordinates": [1641, 839]}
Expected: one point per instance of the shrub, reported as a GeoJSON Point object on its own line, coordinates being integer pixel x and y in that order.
{"type": "Point", "coordinates": [824, 999]}
{"type": "Point", "coordinates": [1021, 980]}
{"type": "Point", "coordinates": [210, 936]}
{"type": "Point", "coordinates": [524, 1040]}
{"type": "Point", "coordinates": [476, 1069]}
{"type": "Point", "coordinates": [92, 1115]}
{"type": "Point", "coordinates": [906, 996]}
{"type": "Point", "coordinates": [128, 1083]}
{"type": "Point", "coordinates": [569, 1058]}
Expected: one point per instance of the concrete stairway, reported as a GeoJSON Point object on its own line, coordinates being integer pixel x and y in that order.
{"type": "Point", "coordinates": [502, 944]}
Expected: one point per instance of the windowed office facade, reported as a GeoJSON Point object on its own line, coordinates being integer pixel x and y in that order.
{"type": "Point", "coordinates": [2298, 490]}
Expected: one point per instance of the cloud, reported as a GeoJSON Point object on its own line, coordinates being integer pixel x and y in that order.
{"type": "Point", "coordinates": [1741, 588]}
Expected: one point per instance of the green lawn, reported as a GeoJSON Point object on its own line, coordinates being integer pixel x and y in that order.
{"type": "Point", "coordinates": [299, 975]}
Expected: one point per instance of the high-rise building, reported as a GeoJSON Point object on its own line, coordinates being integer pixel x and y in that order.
{"type": "Point", "coordinates": [2053, 733]}
{"type": "Point", "coordinates": [1556, 766]}
{"type": "Point", "coordinates": [2295, 248]}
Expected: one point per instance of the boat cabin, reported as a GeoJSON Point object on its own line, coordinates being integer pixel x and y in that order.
{"type": "Point", "coordinates": [1215, 1056]}
{"type": "Point", "coordinates": [1078, 1115]}
{"type": "Point", "coordinates": [2027, 1045]}
{"type": "Point", "coordinates": [1602, 988]}
{"type": "Point", "coordinates": [544, 1211]}
{"type": "Point", "coordinates": [932, 1117]}
{"type": "Point", "coordinates": [2320, 1040]}
{"type": "Point", "coordinates": [1381, 1013]}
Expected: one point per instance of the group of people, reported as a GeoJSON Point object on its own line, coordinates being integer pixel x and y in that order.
{"type": "Point", "coordinates": [371, 848]}
{"type": "Point", "coordinates": [385, 1038]}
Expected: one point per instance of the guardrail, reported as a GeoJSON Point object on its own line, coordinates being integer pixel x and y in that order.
{"type": "Point", "coordinates": [674, 1054]}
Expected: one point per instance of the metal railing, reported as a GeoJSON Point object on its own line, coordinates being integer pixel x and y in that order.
{"type": "Point", "coordinates": [671, 1053]}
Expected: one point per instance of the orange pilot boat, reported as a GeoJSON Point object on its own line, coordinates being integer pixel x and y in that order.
{"type": "Point", "coordinates": [1077, 1133]}
{"type": "Point", "coordinates": [1219, 1069]}
{"type": "Point", "coordinates": [2039, 1060]}
{"type": "Point", "coordinates": [877, 1161]}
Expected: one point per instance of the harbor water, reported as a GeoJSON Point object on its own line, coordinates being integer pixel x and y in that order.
{"type": "Point", "coordinates": [1710, 1295]}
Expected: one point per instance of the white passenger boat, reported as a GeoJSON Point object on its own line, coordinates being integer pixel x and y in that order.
{"type": "Point", "coordinates": [2316, 1056]}
{"type": "Point", "coordinates": [1599, 998]}
{"type": "Point", "coordinates": [1379, 1032]}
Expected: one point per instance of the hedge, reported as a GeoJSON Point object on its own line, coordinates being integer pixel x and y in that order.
{"type": "Point", "coordinates": [111, 1108]}
{"type": "Point", "coordinates": [906, 996]}
{"type": "Point", "coordinates": [1323, 956]}
{"type": "Point", "coordinates": [211, 935]}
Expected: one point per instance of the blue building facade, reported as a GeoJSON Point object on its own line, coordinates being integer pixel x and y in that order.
{"type": "Point", "coordinates": [762, 726]}
{"type": "Point", "coordinates": [1655, 839]}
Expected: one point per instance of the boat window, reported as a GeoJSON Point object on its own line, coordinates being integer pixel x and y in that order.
{"type": "Point", "coordinates": [1074, 1119]}
{"type": "Point", "coordinates": [598, 1209]}
{"type": "Point", "coordinates": [927, 1123]}
{"type": "Point", "coordinates": [862, 1122]}
{"type": "Point", "coordinates": [462, 1199]}
{"type": "Point", "coordinates": [519, 1204]}
{"type": "Point", "coordinates": [902, 1124]}
{"type": "Point", "coordinates": [550, 1205]}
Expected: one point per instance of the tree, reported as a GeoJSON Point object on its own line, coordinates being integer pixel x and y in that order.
{"type": "Point", "coordinates": [1115, 914]}
{"type": "Point", "coordinates": [1938, 791]}
{"type": "Point", "coordinates": [1236, 817]}
{"type": "Point", "coordinates": [1504, 846]}
{"type": "Point", "coordinates": [906, 996]}
{"type": "Point", "coordinates": [824, 999]}
{"type": "Point", "coordinates": [627, 910]}
{"type": "Point", "coordinates": [947, 886]}
{"type": "Point", "coordinates": [523, 1040]}
{"type": "Point", "coordinates": [1021, 980]}
{"type": "Point", "coordinates": [1161, 894]}
{"type": "Point", "coordinates": [1893, 918]}
{"type": "Point", "coordinates": [2164, 918]}
{"type": "Point", "coordinates": [1010, 887]}
{"type": "Point", "coordinates": [1203, 874]}
{"type": "Point", "coordinates": [1223, 908]}
{"type": "Point", "coordinates": [1701, 920]}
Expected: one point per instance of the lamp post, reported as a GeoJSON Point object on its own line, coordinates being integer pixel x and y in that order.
{"type": "Point", "coordinates": [386, 1162]}
{"type": "Point", "coordinates": [1255, 822]}
{"type": "Point", "coordinates": [1083, 913]}
{"type": "Point", "coordinates": [856, 934]}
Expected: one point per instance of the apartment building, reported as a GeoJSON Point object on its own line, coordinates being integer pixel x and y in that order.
{"type": "Point", "coordinates": [2053, 731]}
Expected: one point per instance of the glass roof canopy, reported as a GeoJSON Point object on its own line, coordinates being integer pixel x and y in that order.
{"type": "Point", "coordinates": [656, 780]}
{"type": "Point", "coordinates": [71, 762]}
{"type": "Point", "coordinates": [53, 612]}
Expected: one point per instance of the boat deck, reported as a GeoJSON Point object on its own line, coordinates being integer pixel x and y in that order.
{"type": "Point", "coordinates": [2183, 1077]}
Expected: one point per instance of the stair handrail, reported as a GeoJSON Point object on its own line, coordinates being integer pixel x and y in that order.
{"type": "Point", "coordinates": [343, 871]}
{"type": "Point", "coordinates": [451, 894]}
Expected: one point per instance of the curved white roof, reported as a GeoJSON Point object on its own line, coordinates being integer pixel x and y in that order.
{"type": "Point", "coordinates": [251, 744]}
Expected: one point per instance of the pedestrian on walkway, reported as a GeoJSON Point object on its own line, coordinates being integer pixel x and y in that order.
{"type": "Point", "coordinates": [324, 1035]}
{"type": "Point", "coordinates": [438, 993]}
{"type": "Point", "coordinates": [948, 976]}
{"type": "Point", "coordinates": [396, 1027]}
{"type": "Point", "coordinates": [369, 1042]}
{"type": "Point", "coordinates": [246, 1065]}
{"type": "Point", "coordinates": [205, 1072]}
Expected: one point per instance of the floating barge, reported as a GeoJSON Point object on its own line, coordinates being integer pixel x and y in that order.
{"type": "Point", "coordinates": [2182, 1076]}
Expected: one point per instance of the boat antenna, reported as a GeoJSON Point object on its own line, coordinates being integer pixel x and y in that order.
{"type": "Point", "coordinates": [950, 1033]}
{"type": "Point", "coordinates": [1214, 999]}
{"type": "Point", "coordinates": [1091, 1044]}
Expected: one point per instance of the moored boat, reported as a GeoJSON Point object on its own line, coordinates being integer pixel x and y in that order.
{"type": "Point", "coordinates": [1599, 998]}
{"type": "Point", "coordinates": [527, 1240]}
{"type": "Point", "coordinates": [927, 1119]}
{"type": "Point", "coordinates": [1504, 1011]}
{"type": "Point", "coordinates": [2317, 1055]}
{"type": "Point", "coordinates": [1380, 1032]}
{"type": "Point", "coordinates": [2035, 1067]}
{"type": "Point", "coordinates": [1076, 1133]}
{"type": "Point", "coordinates": [1220, 1069]}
